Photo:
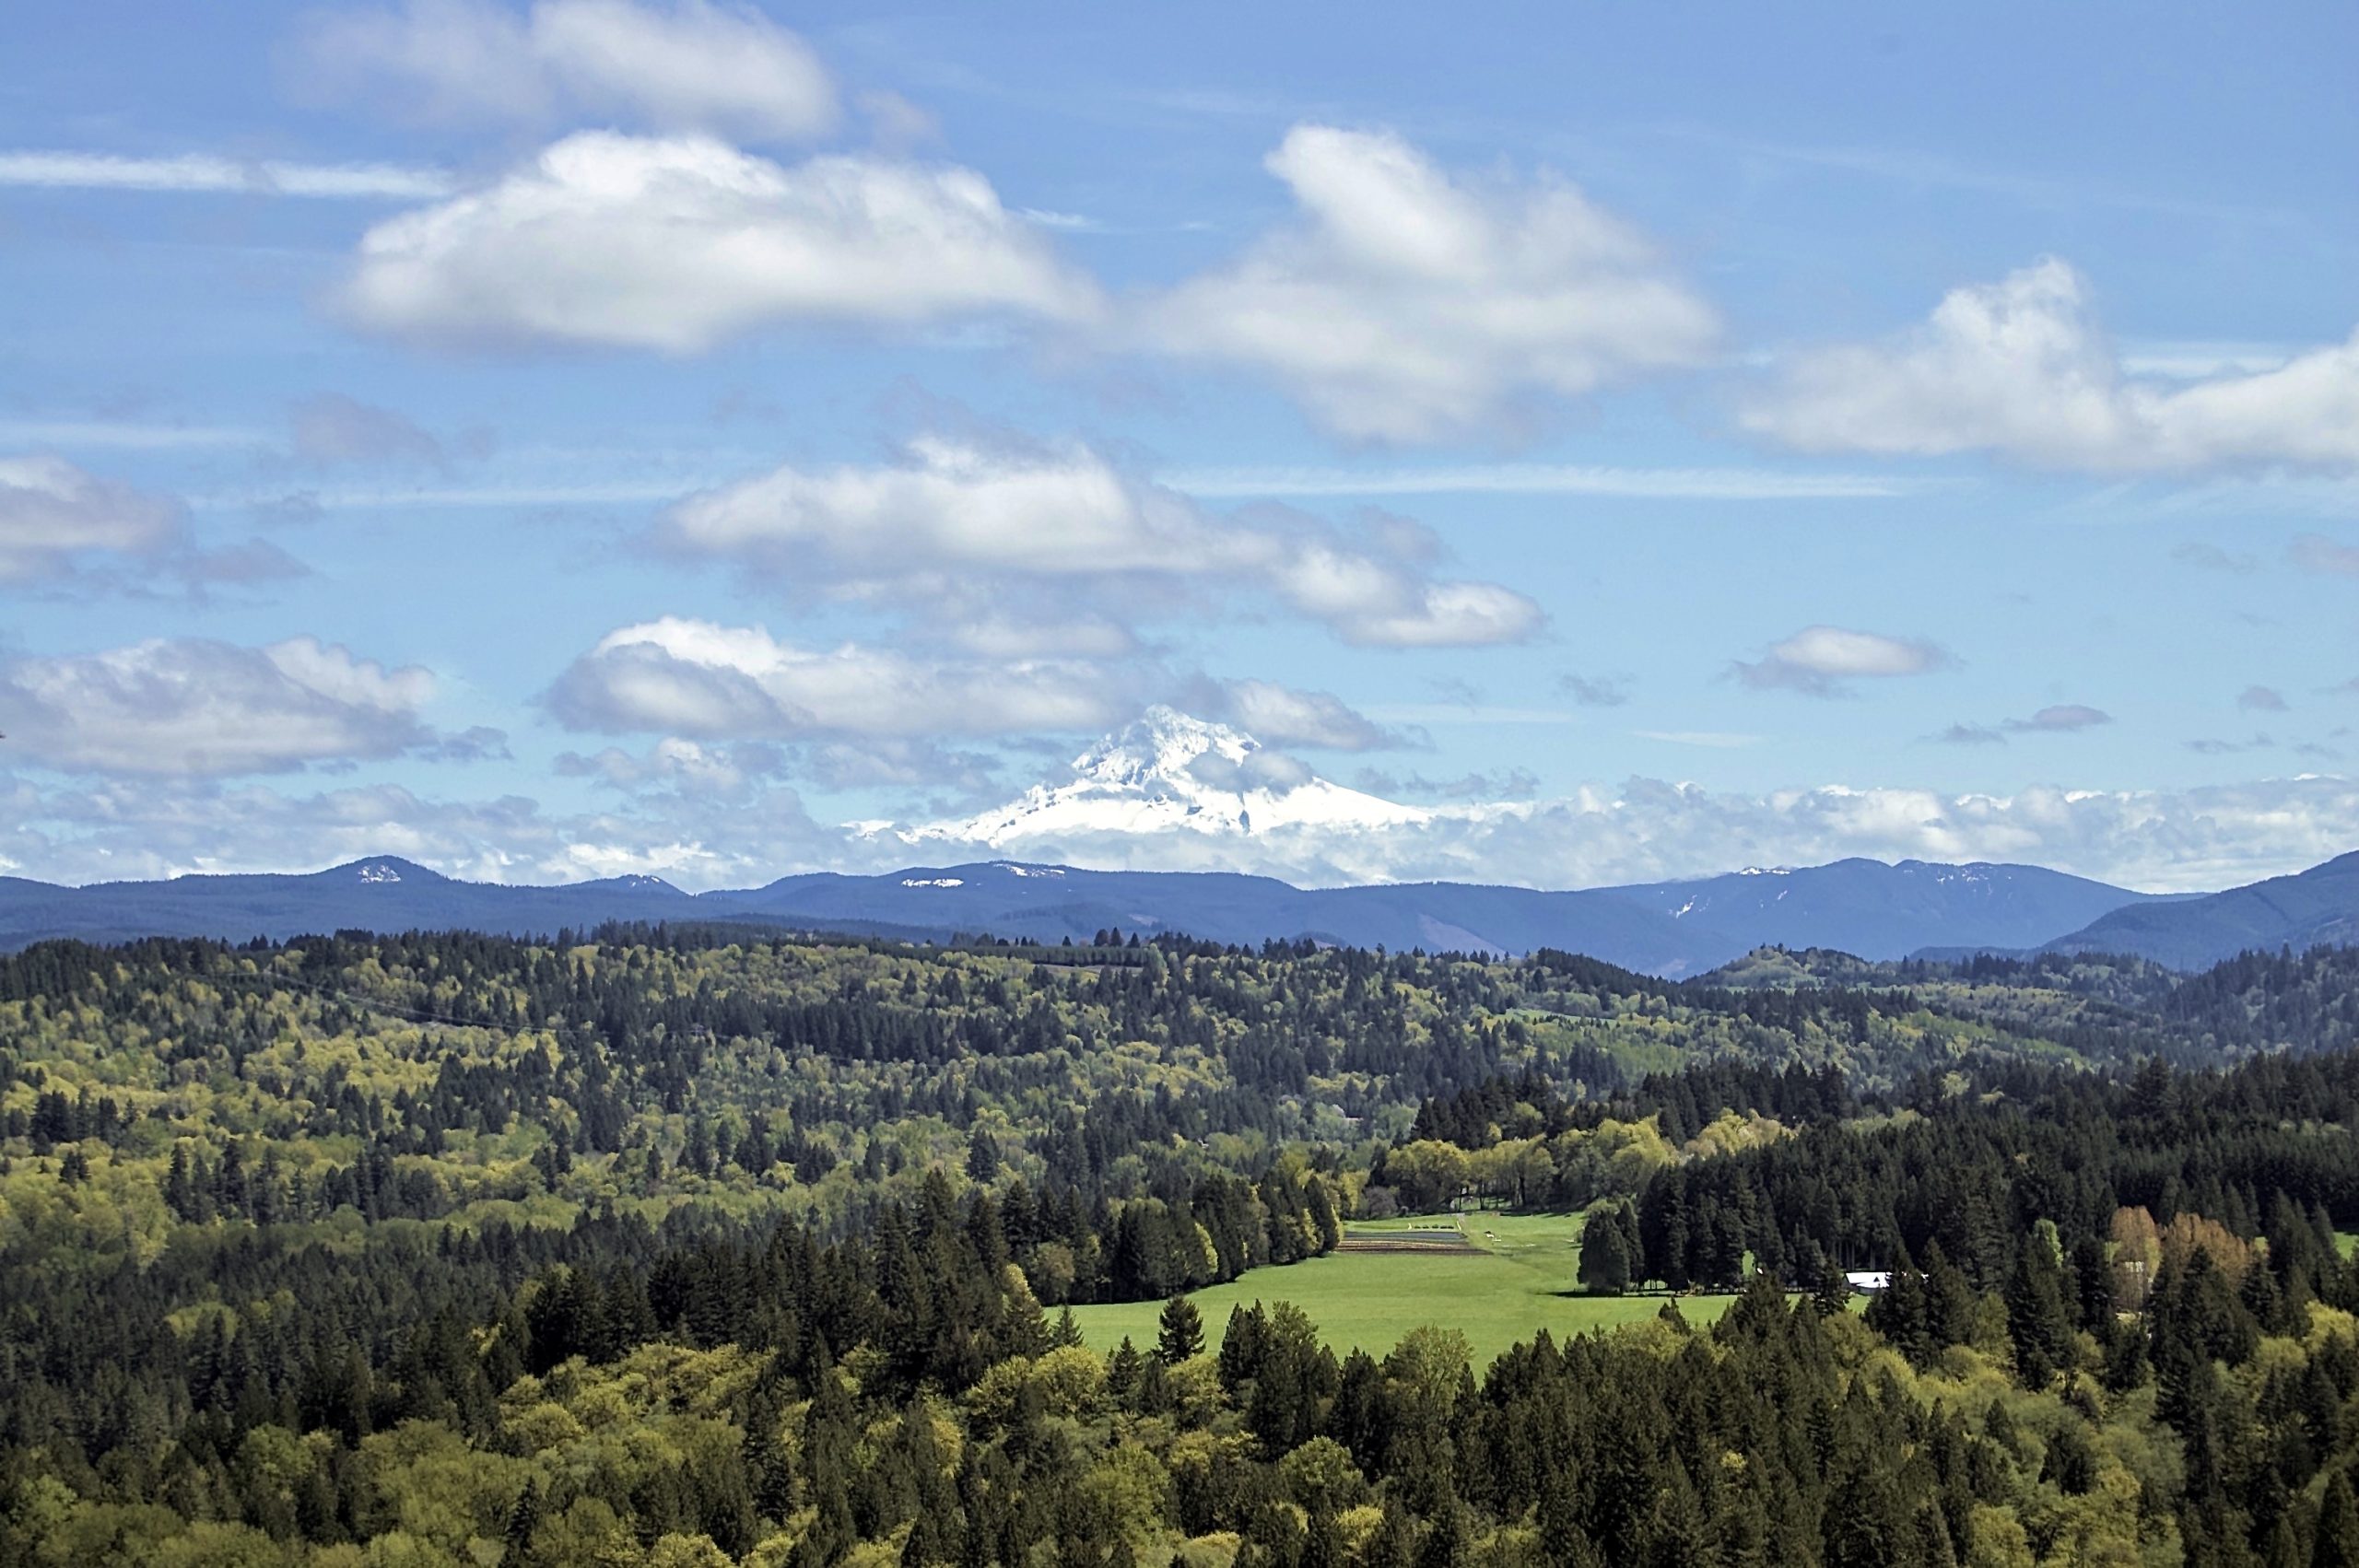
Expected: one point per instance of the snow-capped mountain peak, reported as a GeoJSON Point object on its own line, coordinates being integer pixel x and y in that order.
{"type": "Point", "coordinates": [1171, 771]}
{"type": "Point", "coordinates": [1162, 743]}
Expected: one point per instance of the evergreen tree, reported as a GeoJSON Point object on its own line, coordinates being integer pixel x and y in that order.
{"type": "Point", "coordinates": [2036, 1319]}
{"type": "Point", "coordinates": [1124, 1373]}
{"type": "Point", "coordinates": [1180, 1332]}
{"type": "Point", "coordinates": [525, 1518]}
{"type": "Point", "coordinates": [2092, 1287]}
{"type": "Point", "coordinates": [982, 1157]}
{"type": "Point", "coordinates": [1604, 1259]}
{"type": "Point", "coordinates": [2336, 1541]}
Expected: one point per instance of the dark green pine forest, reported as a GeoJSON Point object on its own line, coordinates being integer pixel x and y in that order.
{"type": "Point", "coordinates": [696, 1248]}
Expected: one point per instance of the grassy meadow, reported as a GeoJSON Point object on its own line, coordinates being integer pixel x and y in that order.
{"type": "Point", "coordinates": [1521, 1280]}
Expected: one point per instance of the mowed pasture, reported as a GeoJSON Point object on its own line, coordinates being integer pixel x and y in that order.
{"type": "Point", "coordinates": [1518, 1277]}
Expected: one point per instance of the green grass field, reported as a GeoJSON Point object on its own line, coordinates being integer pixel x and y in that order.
{"type": "Point", "coordinates": [1524, 1281]}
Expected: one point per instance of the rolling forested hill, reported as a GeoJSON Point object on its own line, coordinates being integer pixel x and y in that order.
{"type": "Point", "coordinates": [694, 1246]}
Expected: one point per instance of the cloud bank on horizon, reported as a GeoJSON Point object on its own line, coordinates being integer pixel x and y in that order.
{"type": "Point", "coordinates": [707, 815]}
{"type": "Point", "coordinates": [590, 435]}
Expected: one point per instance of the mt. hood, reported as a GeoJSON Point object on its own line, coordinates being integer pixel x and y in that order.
{"type": "Point", "coordinates": [1168, 773]}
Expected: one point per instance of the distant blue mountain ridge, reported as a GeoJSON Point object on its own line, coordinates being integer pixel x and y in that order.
{"type": "Point", "coordinates": [2319, 907]}
{"type": "Point", "coordinates": [1867, 907]}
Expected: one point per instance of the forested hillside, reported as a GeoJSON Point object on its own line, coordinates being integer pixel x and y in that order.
{"type": "Point", "coordinates": [693, 1246]}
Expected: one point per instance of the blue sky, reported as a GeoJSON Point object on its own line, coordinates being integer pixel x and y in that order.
{"type": "Point", "coordinates": [600, 436]}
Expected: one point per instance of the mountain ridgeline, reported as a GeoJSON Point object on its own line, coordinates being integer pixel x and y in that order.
{"type": "Point", "coordinates": [2319, 907]}
{"type": "Point", "coordinates": [1869, 909]}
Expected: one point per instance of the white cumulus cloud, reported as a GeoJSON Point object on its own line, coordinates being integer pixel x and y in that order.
{"type": "Point", "coordinates": [1374, 604]}
{"type": "Point", "coordinates": [959, 510]}
{"type": "Point", "coordinates": [685, 65]}
{"type": "Point", "coordinates": [1284, 716]}
{"type": "Point", "coordinates": [1819, 660]}
{"type": "Point", "coordinates": [51, 514]}
{"type": "Point", "coordinates": [676, 243]}
{"type": "Point", "coordinates": [698, 680]}
{"type": "Point", "coordinates": [198, 706]}
{"type": "Point", "coordinates": [673, 763]}
{"type": "Point", "coordinates": [2021, 368]}
{"type": "Point", "coordinates": [2062, 716]}
{"type": "Point", "coordinates": [1407, 303]}
{"type": "Point", "coordinates": [951, 503]}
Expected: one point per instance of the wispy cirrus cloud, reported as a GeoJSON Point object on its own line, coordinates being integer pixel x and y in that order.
{"type": "Point", "coordinates": [1711, 740]}
{"type": "Point", "coordinates": [206, 174]}
{"type": "Point", "coordinates": [1477, 713]}
{"type": "Point", "coordinates": [2213, 745]}
{"type": "Point", "coordinates": [2213, 558]}
{"type": "Point", "coordinates": [459, 497]}
{"type": "Point", "coordinates": [1921, 169]}
{"type": "Point", "coordinates": [80, 434]}
{"type": "Point", "coordinates": [329, 428]}
{"type": "Point", "coordinates": [1541, 479]}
